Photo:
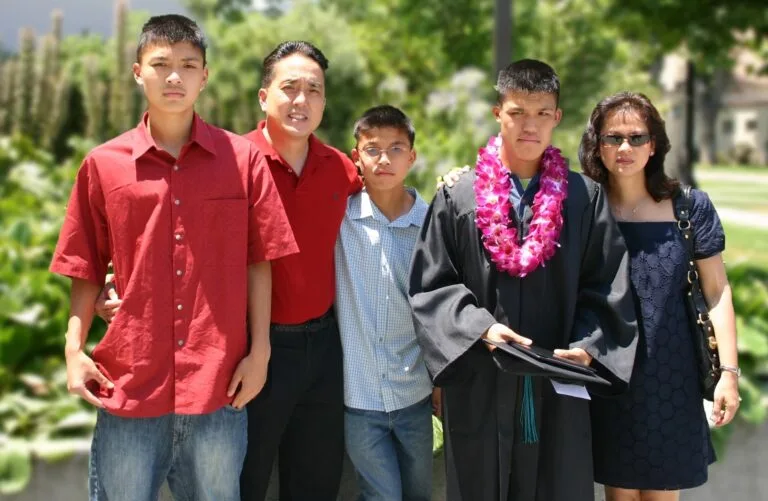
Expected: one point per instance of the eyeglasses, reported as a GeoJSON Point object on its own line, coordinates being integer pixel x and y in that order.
{"type": "Point", "coordinates": [393, 152]}
{"type": "Point", "coordinates": [617, 140]}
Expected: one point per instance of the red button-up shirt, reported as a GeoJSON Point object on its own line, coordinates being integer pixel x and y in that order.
{"type": "Point", "coordinates": [303, 285]}
{"type": "Point", "coordinates": [180, 233]}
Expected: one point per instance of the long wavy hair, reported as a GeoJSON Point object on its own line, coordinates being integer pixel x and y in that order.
{"type": "Point", "coordinates": [659, 185]}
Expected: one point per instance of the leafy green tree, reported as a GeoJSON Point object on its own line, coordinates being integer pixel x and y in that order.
{"type": "Point", "coordinates": [236, 67]}
{"type": "Point", "coordinates": [706, 32]}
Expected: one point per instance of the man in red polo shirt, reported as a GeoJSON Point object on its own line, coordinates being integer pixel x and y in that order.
{"type": "Point", "coordinates": [300, 413]}
{"type": "Point", "coordinates": [191, 218]}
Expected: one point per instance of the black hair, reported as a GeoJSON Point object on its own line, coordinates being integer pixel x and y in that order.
{"type": "Point", "coordinates": [529, 76]}
{"type": "Point", "coordinates": [658, 184]}
{"type": "Point", "coordinates": [385, 116]}
{"type": "Point", "coordinates": [289, 48]}
{"type": "Point", "coordinates": [170, 29]}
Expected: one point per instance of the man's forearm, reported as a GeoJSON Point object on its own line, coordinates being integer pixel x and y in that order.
{"type": "Point", "coordinates": [259, 305]}
{"type": "Point", "coordinates": [82, 301]}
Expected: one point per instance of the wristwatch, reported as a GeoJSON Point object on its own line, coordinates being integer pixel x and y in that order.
{"type": "Point", "coordinates": [730, 368]}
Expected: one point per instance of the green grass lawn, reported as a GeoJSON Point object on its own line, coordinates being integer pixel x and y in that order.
{"type": "Point", "coordinates": [742, 243]}
{"type": "Point", "coordinates": [745, 244]}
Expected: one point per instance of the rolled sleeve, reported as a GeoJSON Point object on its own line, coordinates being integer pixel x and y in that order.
{"type": "Point", "coordinates": [269, 232]}
{"type": "Point", "coordinates": [83, 249]}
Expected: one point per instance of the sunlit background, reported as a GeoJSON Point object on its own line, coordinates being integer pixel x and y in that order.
{"type": "Point", "coordinates": [66, 85]}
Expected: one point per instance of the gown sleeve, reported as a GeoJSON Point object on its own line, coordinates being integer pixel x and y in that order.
{"type": "Point", "coordinates": [446, 314]}
{"type": "Point", "coordinates": [605, 323]}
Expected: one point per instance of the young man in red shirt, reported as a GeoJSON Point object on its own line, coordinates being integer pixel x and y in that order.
{"type": "Point", "coordinates": [300, 413]}
{"type": "Point", "coordinates": [191, 218]}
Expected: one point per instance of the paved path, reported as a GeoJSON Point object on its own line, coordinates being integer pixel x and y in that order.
{"type": "Point", "coordinates": [743, 217]}
{"type": "Point", "coordinates": [731, 215]}
{"type": "Point", "coordinates": [745, 177]}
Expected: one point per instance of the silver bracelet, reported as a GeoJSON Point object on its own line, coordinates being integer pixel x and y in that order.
{"type": "Point", "coordinates": [731, 368]}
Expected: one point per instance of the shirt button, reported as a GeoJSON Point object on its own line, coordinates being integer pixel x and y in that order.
{"type": "Point", "coordinates": [178, 273]}
{"type": "Point", "coordinates": [178, 236]}
{"type": "Point", "coordinates": [383, 376]}
{"type": "Point", "coordinates": [175, 167]}
{"type": "Point", "coordinates": [181, 342]}
{"type": "Point", "coordinates": [177, 201]}
{"type": "Point", "coordinates": [179, 307]}
{"type": "Point", "coordinates": [381, 339]}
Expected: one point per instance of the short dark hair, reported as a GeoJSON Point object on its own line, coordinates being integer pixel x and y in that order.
{"type": "Point", "coordinates": [385, 116]}
{"type": "Point", "coordinates": [170, 29]}
{"type": "Point", "coordinates": [289, 48]}
{"type": "Point", "coordinates": [529, 76]}
{"type": "Point", "coordinates": [658, 184]}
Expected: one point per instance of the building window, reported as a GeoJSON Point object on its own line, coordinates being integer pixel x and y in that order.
{"type": "Point", "coordinates": [728, 127]}
{"type": "Point", "coordinates": [752, 124]}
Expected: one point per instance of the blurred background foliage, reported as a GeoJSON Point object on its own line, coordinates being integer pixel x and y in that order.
{"type": "Point", "coordinates": [59, 96]}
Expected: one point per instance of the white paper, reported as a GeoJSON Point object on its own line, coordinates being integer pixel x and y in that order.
{"type": "Point", "coordinates": [571, 390]}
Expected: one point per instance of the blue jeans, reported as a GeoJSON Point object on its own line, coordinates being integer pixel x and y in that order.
{"type": "Point", "coordinates": [391, 452]}
{"type": "Point", "coordinates": [201, 456]}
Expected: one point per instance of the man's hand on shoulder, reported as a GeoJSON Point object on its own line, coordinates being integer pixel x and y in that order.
{"type": "Point", "coordinates": [452, 177]}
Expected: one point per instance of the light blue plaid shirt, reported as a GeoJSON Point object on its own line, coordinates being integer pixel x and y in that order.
{"type": "Point", "coordinates": [383, 366]}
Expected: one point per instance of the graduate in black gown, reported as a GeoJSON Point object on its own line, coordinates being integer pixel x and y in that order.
{"type": "Point", "coordinates": [521, 249]}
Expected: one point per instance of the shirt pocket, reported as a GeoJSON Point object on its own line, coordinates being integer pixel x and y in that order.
{"type": "Point", "coordinates": [225, 232]}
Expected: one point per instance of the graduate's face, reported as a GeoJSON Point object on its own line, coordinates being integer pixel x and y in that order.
{"type": "Point", "coordinates": [527, 121]}
{"type": "Point", "coordinates": [625, 160]}
{"type": "Point", "coordinates": [295, 98]}
{"type": "Point", "coordinates": [171, 76]}
{"type": "Point", "coordinates": [384, 155]}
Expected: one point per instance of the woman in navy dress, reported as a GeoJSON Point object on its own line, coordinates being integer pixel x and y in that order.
{"type": "Point", "coordinates": [654, 440]}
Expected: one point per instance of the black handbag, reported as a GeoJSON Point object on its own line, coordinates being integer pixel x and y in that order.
{"type": "Point", "coordinates": [702, 330]}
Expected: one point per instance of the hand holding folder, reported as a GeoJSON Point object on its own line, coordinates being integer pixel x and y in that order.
{"type": "Point", "coordinates": [537, 361]}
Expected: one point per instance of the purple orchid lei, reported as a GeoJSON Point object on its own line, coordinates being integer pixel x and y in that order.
{"type": "Point", "coordinates": [492, 186]}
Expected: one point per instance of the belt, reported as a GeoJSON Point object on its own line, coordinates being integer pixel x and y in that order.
{"type": "Point", "coordinates": [312, 325]}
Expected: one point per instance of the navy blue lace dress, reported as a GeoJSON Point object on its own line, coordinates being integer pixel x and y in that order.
{"type": "Point", "coordinates": [656, 436]}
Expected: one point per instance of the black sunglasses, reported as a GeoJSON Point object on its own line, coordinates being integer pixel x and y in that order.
{"type": "Point", "coordinates": [617, 140]}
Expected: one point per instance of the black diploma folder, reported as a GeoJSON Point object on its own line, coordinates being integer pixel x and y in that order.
{"type": "Point", "coordinates": [516, 358]}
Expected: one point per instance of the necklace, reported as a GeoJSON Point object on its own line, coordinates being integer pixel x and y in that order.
{"type": "Point", "coordinates": [492, 186]}
{"type": "Point", "coordinates": [619, 212]}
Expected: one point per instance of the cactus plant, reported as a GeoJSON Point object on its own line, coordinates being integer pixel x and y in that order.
{"type": "Point", "coordinates": [118, 95]}
{"type": "Point", "coordinates": [44, 85]}
{"type": "Point", "coordinates": [94, 94]}
{"type": "Point", "coordinates": [22, 116]}
{"type": "Point", "coordinates": [59, 110]}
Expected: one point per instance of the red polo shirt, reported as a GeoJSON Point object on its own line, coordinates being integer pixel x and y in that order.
{"type": "Point", "coordinates": [180, 233]}
{"type": "Point", "coordinates": [303, 285]}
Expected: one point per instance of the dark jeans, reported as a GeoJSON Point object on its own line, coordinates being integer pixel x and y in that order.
{"type": "Point", "coordinates": [299, 416]}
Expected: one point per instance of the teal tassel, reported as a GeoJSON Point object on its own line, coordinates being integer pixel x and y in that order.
{"type": "Point", "coordinates": [528, 413]}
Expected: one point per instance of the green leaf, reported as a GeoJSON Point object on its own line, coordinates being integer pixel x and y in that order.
{"type": "Point", "coordinates": [53, 450]}
{"type": "Point", "coordinates": [15, 467]}
{"type": "Point", "coordinates": [752, 337]}
{"type": "Point", "coordinates": [437, 435]}
{"type": "Point", "coordinates": [77, 420]}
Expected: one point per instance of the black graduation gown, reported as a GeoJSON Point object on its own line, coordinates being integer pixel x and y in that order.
{"type": "Point", "coordinates": [581, 298]}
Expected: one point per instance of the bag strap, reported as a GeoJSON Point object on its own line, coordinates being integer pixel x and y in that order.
{"type": "Point", "coordinates": [682, 203]}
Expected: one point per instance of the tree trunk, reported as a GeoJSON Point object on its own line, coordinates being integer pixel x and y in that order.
{"type": "Point", "coordinates": [711, 101]}
{"type": "Point", "coordinates": [685, 165]}
{"type": "Point", "coordinates": [502, 34]}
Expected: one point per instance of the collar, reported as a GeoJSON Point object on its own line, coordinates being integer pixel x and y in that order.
{"type": "Point", "coordinates": [361, 206]}
{"type": "Point", "coordinates": [316, 147]}
{"type": "Point", "coordinates": [517, 184]}
{"type": "Point", "coordinates": [200, 134]}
